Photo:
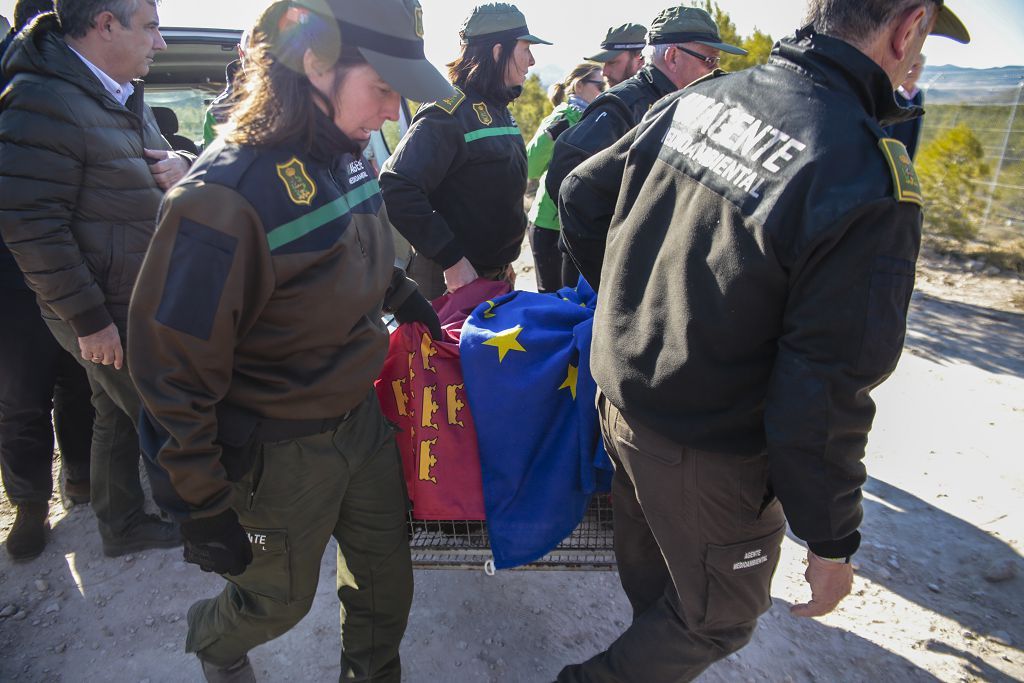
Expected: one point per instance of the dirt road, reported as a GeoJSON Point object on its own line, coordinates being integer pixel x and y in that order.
{"type": "Point", "coordinates": [939, 593]}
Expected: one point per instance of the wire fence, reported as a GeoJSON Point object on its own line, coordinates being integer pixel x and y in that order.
{"type": "Point", "coordinates": [988, 103]}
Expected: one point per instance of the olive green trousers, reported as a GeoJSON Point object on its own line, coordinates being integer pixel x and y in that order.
{"type": "Point", "coordinates": [697, 538]}
{"type": "Point", "coordinates": [347, 484]}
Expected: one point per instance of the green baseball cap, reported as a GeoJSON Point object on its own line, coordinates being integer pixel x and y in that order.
{"type": "Point", "coordinates": [389, 35]}
{"type": "Point", "coordinates": [949, 25]}
{"type": "Point", "coordinates": [496, 22]}
{"type": "Point", "coordinates": [688, 25]}
{"type": "Point", "coordinates": [618, 40]}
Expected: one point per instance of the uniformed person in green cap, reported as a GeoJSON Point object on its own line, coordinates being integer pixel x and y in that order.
{"type": "Point", "coordinates": [757, 234]}
{"type": "Point", "coordinates": [256, 336]}
{"type": "Point", "coordinates": [621, 53]}
{"type": "Point", "coordinates": [686, 45]}
{"type": "Point", "coordinates": [455, 185]}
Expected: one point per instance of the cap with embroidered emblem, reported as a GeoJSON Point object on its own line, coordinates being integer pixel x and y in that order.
{"type": "Point", "coordinates": [619, 39]}
{"type": "Point", "coordinates": [496, 22]}
{"type": "Point", "coordinates": [688, 25]}
{"type": "Point", "coordinates": [389, 35]}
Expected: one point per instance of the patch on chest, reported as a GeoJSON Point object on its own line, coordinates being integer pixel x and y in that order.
{"type": "Point", "coordinates": [907, 187]}
{"type": "Point", "coordinates": [301, 188]}
{"type": "Point", "coordinates": [481, 113]}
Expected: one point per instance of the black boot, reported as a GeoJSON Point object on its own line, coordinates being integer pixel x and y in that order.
{"type": "Point", "coordinates": [239, 672]}
{"type": "Point", "coordinates": [28, 536]}
{"type": "Point", "coordinates": [146, 532]}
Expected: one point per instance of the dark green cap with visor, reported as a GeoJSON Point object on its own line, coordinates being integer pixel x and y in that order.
{"type": "Point", "coordinates": [389, 35]}
{"type": "Point", "coordinates": [619, 39]}
{"type": "Point", "coordinates": [949, 25]}
{"type": "Point", "coordinates": [677, 25]}
{"type": "Point", "coordinates": [497, 22]}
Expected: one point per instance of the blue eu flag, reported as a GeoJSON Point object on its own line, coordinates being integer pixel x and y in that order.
{"type": "Point", "coordinates": [526, 365]}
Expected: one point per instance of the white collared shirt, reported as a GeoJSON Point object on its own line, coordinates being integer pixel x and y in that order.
{"type": "Point", "coordinates": [120, 91]}
{"type": "Point", "coordinates": [907, 94]}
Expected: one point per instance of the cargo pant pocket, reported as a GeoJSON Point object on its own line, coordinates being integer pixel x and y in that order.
{"type": "Point", "coordinates": [739, 580]}
{"type": "Point", "coordinates": [270, 573]}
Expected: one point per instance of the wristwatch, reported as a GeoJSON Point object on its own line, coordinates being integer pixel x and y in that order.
{"type": "Point", "coordinates": [835, 560]}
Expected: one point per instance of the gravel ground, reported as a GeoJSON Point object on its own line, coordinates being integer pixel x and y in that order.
{"type": "Point", "coordinates": [938, 594]}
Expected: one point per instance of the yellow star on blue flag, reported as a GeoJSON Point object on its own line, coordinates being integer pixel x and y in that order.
{"type": "Point", "coordinates": [505, 341]}
{"type": "Point", "coordinates": [541, 456]}
{"type": "Point", "coordinates": [570, 380]}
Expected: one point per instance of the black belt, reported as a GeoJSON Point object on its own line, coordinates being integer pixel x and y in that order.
{"type": "Point", "coordinates": [270, 429]}
{"type": "Point", "coordinates": [236, 427]}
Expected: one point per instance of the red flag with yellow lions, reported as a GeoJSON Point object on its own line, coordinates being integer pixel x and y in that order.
{"type": "Point", "coordinates": [421, 390]}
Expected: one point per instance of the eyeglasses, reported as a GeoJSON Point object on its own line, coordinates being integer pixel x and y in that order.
{"type": "Point", "coordinates": [593, 81]}
{"type": "Point", "coordinates": [712, 62]}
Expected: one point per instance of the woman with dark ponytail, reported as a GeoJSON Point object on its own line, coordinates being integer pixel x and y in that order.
{"type": "Point", "coordinates": [454, 187]}
{"type": "Point", "coordinates": [570, 96]}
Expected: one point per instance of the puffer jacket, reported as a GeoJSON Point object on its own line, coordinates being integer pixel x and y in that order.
{"type": "Point", "coordinates": [78, 203]}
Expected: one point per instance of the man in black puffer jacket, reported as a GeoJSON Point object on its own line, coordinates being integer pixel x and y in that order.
{"type": "Point", "coordinates": [82, 171]}
{"type": "Point", "coordinates": [44, 390]}
{"type": "Point", "coordinates": [761, 235]}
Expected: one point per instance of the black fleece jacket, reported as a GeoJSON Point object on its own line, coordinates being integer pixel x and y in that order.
{"type": "Point", "coordinates": [608, 118]}
{"type": "Point", "coordinates": [454, 187]}
{"type": "Point", "coordinates": [758, 270]}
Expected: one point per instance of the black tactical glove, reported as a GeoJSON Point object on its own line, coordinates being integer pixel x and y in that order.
{"type": "Point", "coordinates": [416, 309]}
{"type": "Point", "coordinates": [217, 544]}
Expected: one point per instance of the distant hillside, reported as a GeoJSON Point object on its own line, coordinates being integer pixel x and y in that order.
{"type": "Point", "coordinates": [958, 85]}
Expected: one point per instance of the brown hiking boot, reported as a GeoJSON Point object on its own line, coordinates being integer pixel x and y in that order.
{"type": "Point", "coordinates": [239, 672]}
{"type": "Point", "coordinates": [74, 493]}
{"type": "Point", "coordinates": [28, 535]}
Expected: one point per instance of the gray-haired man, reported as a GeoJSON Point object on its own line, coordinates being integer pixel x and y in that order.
{"type": "Point", "coordinates": [761, 234]}
{"type": "Point", "coordinates": [686, 46]}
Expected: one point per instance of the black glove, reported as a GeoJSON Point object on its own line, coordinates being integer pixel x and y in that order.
{"type": "Point", "coordinates": [416, 309]}
{"type": "Point", "coordinates": [217, 544]}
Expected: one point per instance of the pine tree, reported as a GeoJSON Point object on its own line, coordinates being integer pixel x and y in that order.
{"type": "Point", "coordinates": [758, 45]}
{"type": "Point", "coordinates": [531, 107]}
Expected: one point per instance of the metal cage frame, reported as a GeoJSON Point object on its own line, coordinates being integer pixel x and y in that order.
{"type": "Point", "coordinates": [463, 544]}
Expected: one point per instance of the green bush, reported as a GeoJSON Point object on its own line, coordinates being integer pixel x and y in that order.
{"type": "Point", "coordinates": [951, 167]}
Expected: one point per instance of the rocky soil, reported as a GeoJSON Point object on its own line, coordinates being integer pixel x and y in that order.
{"type": "Point", "coordinates": [939, 594]}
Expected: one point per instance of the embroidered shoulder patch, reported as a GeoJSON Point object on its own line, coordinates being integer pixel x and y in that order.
{"type": "Point", "coordinates": [450, 104]}
{"type": "Point", "coordinates": [301, 188]}
{"type": "Point", "coordinates": [907, 187]}
{"type": "Point", "coordinates": [481, 113]}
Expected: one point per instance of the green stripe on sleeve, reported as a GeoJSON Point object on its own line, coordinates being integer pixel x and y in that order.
{"type": "Point", "coordinates": [302, 226]}
{"type": "Point", "coordinates": [491, 132]}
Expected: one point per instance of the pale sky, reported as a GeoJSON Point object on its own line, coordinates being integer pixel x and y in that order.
{"type": "Point", "coordinates": [577, 27]}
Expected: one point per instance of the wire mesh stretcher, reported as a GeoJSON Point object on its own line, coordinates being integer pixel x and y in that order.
{"type": "Point", "coordinates": [453, 544]}
{"type": "Point", "coordinates": [464, 544]}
